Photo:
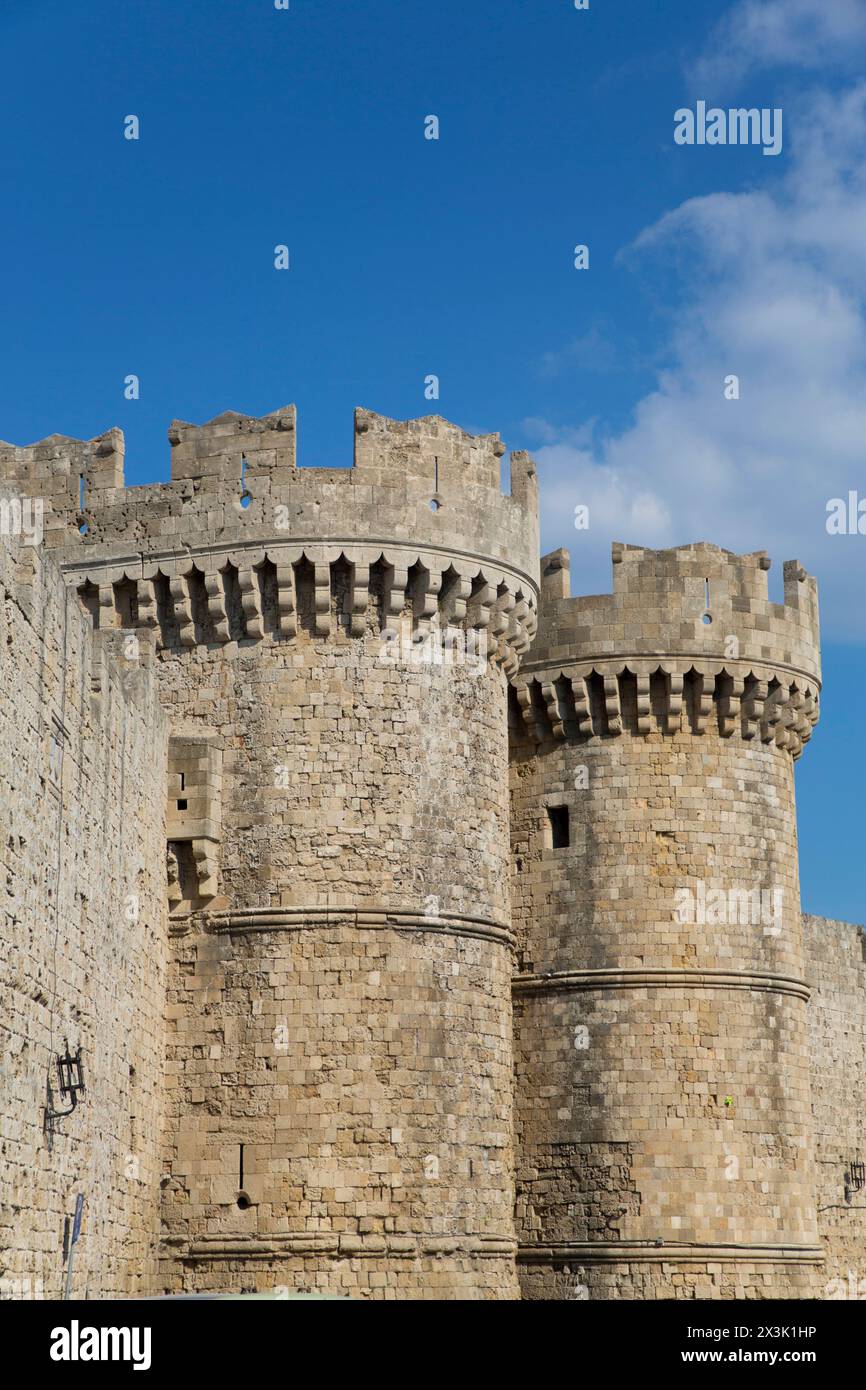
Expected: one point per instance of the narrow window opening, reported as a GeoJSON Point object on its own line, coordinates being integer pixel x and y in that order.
{"type": "Point", "coordinates": [706, 619]}
{"type": "Point", "coordinates": [243, 1199]}
{"type": "Point", "coordinates": [558, 818]}
{"type": "Point", "coordinates": [81, 492]}
{"type": "Point", "coordinates": [182, 803]}
{"type": "Point", "coordinates": [246, 495]}
{"type": "Point", "coordinates": [435, 502]}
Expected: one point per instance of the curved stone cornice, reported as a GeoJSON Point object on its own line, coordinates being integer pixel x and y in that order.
{"type": "Point", "coordinates": [666, 694]}
{"type": "Point", "coordinates": [422, 592]}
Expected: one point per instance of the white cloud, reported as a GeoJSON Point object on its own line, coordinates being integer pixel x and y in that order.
{"type": "Point", "coordinates": [774, 291]}
{"type": "Point", "coordinates": [805, 34]}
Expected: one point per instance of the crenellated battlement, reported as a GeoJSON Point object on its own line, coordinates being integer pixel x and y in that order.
{"type": "Point", "coordinates": [661, 1021]}
{"type": "Point", "coordinates": [215, 449]}
{"type": "Point", "coordinates": [237, 477]}
{"type": "Point", "coordinates": [688, 634]}
{"type": "Point", "coordinates": [71, 476]}
{"type": "Point", "coordinates": [243, 542]}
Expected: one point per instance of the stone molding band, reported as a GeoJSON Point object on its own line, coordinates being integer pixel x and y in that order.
{"type": "Point", "coordinates": [647, 1252]}
{"type": "Point", "coordinates": [375, 916]}
{"type": "Point", "coordinates": [339, 1246]}
{"type": "Point", "coordinates": [638, 660]}
{"type": "Point", "coordinates": [215, 594]}
{"type": "Point", "coordinates": [644, 977]}
{"type": "Point", "coordinates": [667, 693]}
{"type": "Point", "coordinates": [132, 564]}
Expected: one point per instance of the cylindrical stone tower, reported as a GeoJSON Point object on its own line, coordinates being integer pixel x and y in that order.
{"type": "Point", "coordinates": [663, 1108]}
{"type": "Point", "coordinates": [333, 647]}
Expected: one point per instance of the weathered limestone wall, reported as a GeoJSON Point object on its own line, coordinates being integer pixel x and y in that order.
{"type": "Point", "coordinates": [631, 1136]}
{"type": "Point", "coordinates": [663, 1102]}
{"type": "Point", "coordinates": [313, 737]}
{"type": "Point", "coordinates": [83, 940]}
{"type": "Point", "coordinates": [333, 653]}
{"type": "Point", "coordinates": [836, 970]}
{"type": "Point", "coordinates": [343, 1010]}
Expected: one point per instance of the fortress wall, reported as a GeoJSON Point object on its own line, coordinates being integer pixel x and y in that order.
{"type": "Point", "coordinates": [82, 750]}
{"type": "Point", "coordinates": [331, 650]}
{"type": "Point", "coordinates": [836, 969]}
{"type": "Point", "coordinates": [333, 658]}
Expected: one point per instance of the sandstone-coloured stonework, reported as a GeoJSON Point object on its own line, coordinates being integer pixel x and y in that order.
{"type": "Point", "coordinates": [467, 958]}
{"type": "Point", "coordinates": [84, 947]}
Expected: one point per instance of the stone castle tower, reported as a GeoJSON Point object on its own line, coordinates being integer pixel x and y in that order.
{"type": "Point", "coordinates": [664, 1113]}
{"type": "Point", "coordinates": [332, 775]}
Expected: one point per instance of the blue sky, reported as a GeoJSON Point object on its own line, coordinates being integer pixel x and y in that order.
{"type": "Point", "coordinates": [454, 257]}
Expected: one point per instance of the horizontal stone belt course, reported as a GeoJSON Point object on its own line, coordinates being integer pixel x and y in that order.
{"type": "Point", "coordinates": [662, 978]}
{"type": "Point", "coordinates": [361, 918]}
{"type": "Point", "coordinates": [227, 1247]}
{"type": "Point", "coordinates": [631, 1252]}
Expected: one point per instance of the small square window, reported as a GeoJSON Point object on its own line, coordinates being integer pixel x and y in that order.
{"type": "Point", "coordinates": [558, 818]}
{"type": "Point", "coordinates": [182, 804]}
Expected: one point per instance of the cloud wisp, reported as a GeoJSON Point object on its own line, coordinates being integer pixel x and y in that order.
{"type": "Point", "coordinates": [801, 34]}
{"type": "Point", "coordinates": [759, 419]}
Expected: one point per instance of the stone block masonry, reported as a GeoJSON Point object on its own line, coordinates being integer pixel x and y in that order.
{"type": "Point", "coordinates": [664, 1114]}
{"type": "Point", "coordinates": [836, 966]}
{"type": "Point", "coordinates": [369, 772]}
{"type": "Point", "coordinates": [338, 1011]}
{"type": "Point", "coordinates": [83, 952]}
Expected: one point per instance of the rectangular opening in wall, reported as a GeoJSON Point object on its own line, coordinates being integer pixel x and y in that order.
{"type": "Point", "coordinates": [557, 817]}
